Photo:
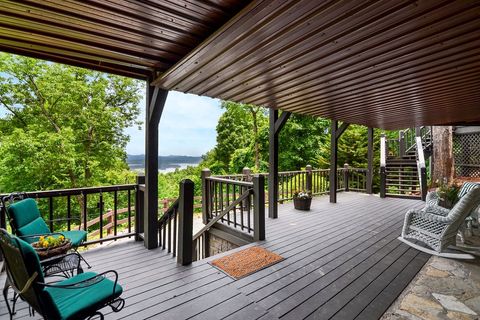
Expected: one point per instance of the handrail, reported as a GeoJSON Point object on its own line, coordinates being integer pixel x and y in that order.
{"type": "Point", "coordinates": [383, 151]}
{"type": "Point", "coordinates": [420, 153]}
{"type": "Point", "coordinates": [236, 182]}
{"type": "Point", "coordinates": [169, 211]}
{"type": "Point", "coordinates": [77, 191]}
{"type": "Point", "coordinates": [242, 197]}
{"type": "Point", "coordinates": [422, 172]}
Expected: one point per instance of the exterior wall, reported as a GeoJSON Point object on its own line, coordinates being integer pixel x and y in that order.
{"type": "Point", "coordinates": [466, 150]}
{"type": "Point", "coordinates": [219, 245]}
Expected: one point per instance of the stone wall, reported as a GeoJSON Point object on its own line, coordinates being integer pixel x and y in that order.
{"type": "Point", "coordinates": [219, 245]}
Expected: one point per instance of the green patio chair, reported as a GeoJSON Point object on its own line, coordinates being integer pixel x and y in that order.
{"type": "Point", "coordinates": [437, 227]}
{"type": "Point", "coordinates": [79, 297]}
{"type": "Point", "coordinates": [27, 223]}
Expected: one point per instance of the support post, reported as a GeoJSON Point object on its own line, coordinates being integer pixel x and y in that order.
{"type": "Point", "coordinates": [259, 207]}
{"type": "Point", "coordinates": [333, 161]}
{"type": "Point", "coordinates": [346, 177]}
{"type": "Point", "coordinates": [205, 195]}
{"type": "Point", "coordinates": [276, 125]}
{"type": "Point", "coordinates": [156, 98]}
{"type": "Point", "coordinates": [309, 181]}
{"type": "Point", "coordinates": [370, 161]}
{"type": "Point", "coordinates": [139, 207]}
{"type": "Point", "coordinates": [383, 164]}
{"type": "Point", "coordinates": [273, 167]}
{"type": "Point", "coordinates": [185, 223]}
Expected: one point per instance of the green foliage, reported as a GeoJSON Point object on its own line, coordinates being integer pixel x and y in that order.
{"type": "Point", "coordinates": [63, 127]}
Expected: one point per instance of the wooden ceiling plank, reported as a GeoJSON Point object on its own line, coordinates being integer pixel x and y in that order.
{"type": "Point", "coordinates": [387, 78]}
{"type": "Point", "coordinates": [43, 16]}
{"type": "Point", "coordinates": [256, 13]}
{"type": "Point", "coordinates": [82, 63]}
{"type": "Point", "coordinates": [387, 56]}
{"type": "Point", "coordinates": [298, 27]}
{"type": "Point", "coordinates": [366, 79]}
{"type": "Point", "coordinates": [90, 40]}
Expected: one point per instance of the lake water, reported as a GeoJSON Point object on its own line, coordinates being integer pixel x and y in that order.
{"type": "Point", "coordinates": [165, 169]}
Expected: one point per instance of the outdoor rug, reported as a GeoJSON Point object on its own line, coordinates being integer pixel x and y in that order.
{"type": "Point", "coordinates": [245, 262]}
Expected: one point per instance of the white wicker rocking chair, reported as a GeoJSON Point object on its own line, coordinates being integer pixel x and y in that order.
{"type": "Point", "coordinates": [437, 227]}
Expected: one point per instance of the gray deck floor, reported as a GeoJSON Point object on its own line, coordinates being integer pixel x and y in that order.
{"type": "Point", "coordinates": [342, 261]}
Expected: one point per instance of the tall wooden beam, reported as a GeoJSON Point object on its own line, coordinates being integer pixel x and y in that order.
{"type": "Point", "coordinates": [276, 125]}
{"type": "Point", "coordinates": [336, 132]}
{"type": "Point", "coordinates": [156, 98]}
{"type": "Point", "coordinates": [370, 161]}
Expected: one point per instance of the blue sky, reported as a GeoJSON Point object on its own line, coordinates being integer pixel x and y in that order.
{"type": "Point", "coordinates": [187, 126]}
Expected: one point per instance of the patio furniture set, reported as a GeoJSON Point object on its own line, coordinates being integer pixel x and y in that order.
{"type": "Point", "coordinates": [32, 272]}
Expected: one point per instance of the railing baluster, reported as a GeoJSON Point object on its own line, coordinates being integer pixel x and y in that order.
{"type": "Point", "coordinates": [69, 214]}
{"type": "Point", "coordinates": [169, 237]}
{"type": "Point", "coordinates": [227, 187]}
{"type": "Point", "coordinates": [50, 213]}
{"type": "Point", "coordinates": [85, 211]}
{"type": "Point", "coordinates": [129, 203]}
{"type": "Point", "coordinates": [175, 241]}
{"type": "Point", "coordinates": [101, 215]}
{"type": "Point", "coordinates": [115, 219]}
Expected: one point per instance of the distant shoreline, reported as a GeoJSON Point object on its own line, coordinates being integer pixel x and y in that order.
{"type": "Point", "coordinates": [166, 164]}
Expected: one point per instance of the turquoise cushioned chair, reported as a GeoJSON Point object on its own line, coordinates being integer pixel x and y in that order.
{"type": "Point", "coordinates": [79, 297]}
{"type": "Point", "coordinates": [28, 224]}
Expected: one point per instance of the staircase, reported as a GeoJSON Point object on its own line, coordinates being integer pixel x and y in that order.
{"type": "Point", "coordinates": [403, 163]}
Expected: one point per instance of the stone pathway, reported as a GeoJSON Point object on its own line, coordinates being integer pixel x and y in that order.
{"type": "Point", "coordinates": [443, 289]}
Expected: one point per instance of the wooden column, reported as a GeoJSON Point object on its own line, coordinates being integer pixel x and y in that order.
{"type": "Point", "coordinates": [156, 98]}
{"type": "Point", "coordinates": [370, 162]}
{"type": "Point", "coordinates": [276, 125]}
{"type": "Point", "coordinates": [259, 207]}
{"type": "Point", "coordinates": [185, 223]}
{"type": "Point", "coordinates": [336, 132]}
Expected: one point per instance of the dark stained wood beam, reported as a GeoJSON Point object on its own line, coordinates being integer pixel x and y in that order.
{"type": "Point", "coordinates": [333, 161]}
{"type": "Point", "coordinates": [370, 161]}
{"type": "Point", "coordinates": [336, 132]}
{"type": "Point", "coordinates": [156, 98]}
{"type": "Point", "coordinates": [341, 129]}
{"type": "Point", "coordinates": [276, 125]}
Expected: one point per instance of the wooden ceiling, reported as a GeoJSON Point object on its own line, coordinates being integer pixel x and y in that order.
{"type": "Point", "coordinates": [386, 64]}
{"type": "Point", "coordinates": [128, 37]}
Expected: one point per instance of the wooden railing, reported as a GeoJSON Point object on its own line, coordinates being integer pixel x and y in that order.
{"type": "Point", "coordinates": [175, 226]}
{"type": "Point", "coordinates": [237, 202]}
{"type": "Point", "coordinates": [106, 213]}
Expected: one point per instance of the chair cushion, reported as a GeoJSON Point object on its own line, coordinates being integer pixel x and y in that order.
{"type": "Point", "coordinates": [80, 302]}
{"type": "Point", "coordinates": [466, 187]}
{"type": "Point", "coordinates": [37, 226]}
{"type": "Point", "coordinates": [32, 262]}
{"type": "Point", "coordinates": [76, 236]}
{"type": "Point", "coordinates": [23, 212]}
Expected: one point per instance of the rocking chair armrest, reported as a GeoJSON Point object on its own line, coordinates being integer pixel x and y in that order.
{"type": "Point", "coordinates": [85, 283]}
{"type": "Point", "coordinates": [438, 210]}
{"type": "Point", "coordinates": [432, 217]}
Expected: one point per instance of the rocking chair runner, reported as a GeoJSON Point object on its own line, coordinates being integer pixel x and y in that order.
{"type": "Point", "coordinates": [437, 227]}
{"type": "Point", "coordinates": [28, 224]}
{"type": "Point", "coordinates": [79, 297]}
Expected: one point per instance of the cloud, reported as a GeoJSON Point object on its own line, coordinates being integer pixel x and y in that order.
{"type": "Point", "coordinates": [187, 126]}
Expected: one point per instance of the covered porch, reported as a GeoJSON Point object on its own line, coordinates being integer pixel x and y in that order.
{"type": "Point", "coordinates": [342, 261]}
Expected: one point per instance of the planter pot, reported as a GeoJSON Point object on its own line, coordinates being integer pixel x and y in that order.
{"type": "Point", "coordinates": [302, 204]}
{"type": "Point", "coordinates": [45, 253]}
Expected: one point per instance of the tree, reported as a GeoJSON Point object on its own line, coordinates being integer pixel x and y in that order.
{"type": "Point", "coordinates": [442, 141]}
{"type": "Point", "coordinates": [63, 127]}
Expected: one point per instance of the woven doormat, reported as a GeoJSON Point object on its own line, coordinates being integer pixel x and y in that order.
{"type": "Point", "coordinates": [245, 262]}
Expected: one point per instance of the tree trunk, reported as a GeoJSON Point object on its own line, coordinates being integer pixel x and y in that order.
{"type": "Point", "coordinates": [442, 139]}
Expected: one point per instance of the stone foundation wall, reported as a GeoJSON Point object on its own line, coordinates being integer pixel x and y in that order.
{"type": "Point", "coordinates": [219, 245]}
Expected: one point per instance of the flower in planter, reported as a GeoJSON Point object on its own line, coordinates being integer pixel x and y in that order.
{"type": "Point", "coordinates": [302, 194]}
{"type": "Point", "coordinates": [50, 242]}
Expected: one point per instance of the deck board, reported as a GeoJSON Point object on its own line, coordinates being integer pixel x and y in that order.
{"type": "Point", "coordinates": [342, 261]}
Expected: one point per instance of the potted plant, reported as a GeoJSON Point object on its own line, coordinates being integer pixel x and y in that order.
{"type": "Point", "coordinates": [448, 193]}
{"type": "Point", "coordinates": [302, 199]}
